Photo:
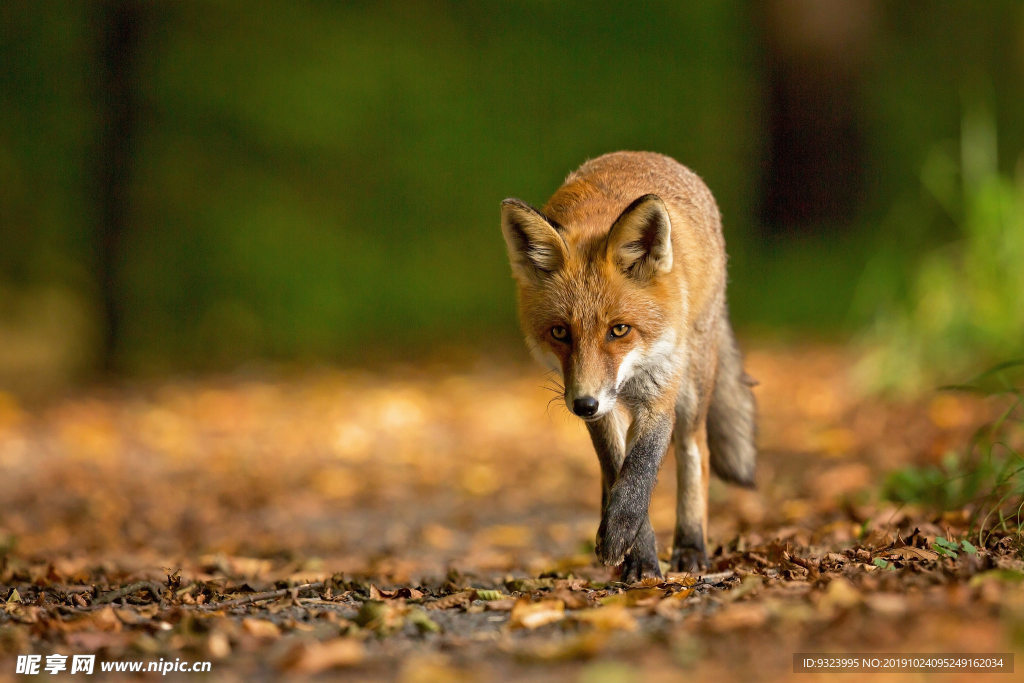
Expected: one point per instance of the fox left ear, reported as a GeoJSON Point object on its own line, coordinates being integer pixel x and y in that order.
{"type": "Point", "coordinates": [640, 241]}
{"type": "Point", "coordinates": [534, 246]}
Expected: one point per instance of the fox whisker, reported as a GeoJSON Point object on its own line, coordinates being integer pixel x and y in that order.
{"type": "Point", "coordinates": [557, 400]}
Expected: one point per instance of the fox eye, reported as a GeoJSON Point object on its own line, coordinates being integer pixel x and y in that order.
{"type": "Point", "coordinates": [620, 330]}
{"type": "Point", "coordinates": [559, 332]}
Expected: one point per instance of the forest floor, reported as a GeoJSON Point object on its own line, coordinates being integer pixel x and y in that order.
{"type": "Point", "coordinates": [421, 524]}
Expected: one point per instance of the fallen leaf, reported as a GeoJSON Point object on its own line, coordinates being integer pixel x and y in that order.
{"type": "Point", "coordinates": [635, 597]}
{"type": "Point", "coordinates": [840, 593]}
{"type": "Point", "coordinates": [680, 579]}
{"type": "Point", "coordinates": [887, 604]}
{"type": "Point", "coordinates": [489, 595]}
{"type": "Point", "coordinates": [261, 628]}
{"type": "Point", "coordinates": [218, 645]}
{"type": "Point", "coordinates": [909, 552]}
{"type": "Point", "coordinates": [461, 598]}
{"type": "Point", "coordinates": [738, 616]}
{"type": "Point", "coordinates": [423, 623]}
{"type": "Point", "coordinates": [571, 599]}
{"type": "Point", "coordinates": [311, 658]}
{"type": "Point", "coordinates": [531, 615]}
{"type": "Point", "coordinates": [611, 618]}
{"type": "Point", "coordinates": [583, 646]}
{"type": "Point", "coordinates": [405, 592]}
{"type": "Point", "coordinates": [749, 585]}
{"type": "Point", "coordinates": [381, 617]}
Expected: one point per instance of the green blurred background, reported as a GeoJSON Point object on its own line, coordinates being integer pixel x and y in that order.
{"type": "Point", "coordinates": [193, 185]}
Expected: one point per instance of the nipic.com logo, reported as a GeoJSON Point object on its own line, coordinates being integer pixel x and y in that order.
{"type": "Point", "coordinates": [32, 665]}
{"type": "Point", "coordinates": [55, 664]}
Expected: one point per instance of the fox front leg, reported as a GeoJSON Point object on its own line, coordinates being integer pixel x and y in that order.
{"type": "Point", "coordinates": [609, 438]}
{"type": "Point", "coordinates": [624, 519]}
{"type": "Point", "coordinates": [689, 552]}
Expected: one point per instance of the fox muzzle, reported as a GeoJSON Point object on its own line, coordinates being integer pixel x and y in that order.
{"type": "Point", "coordinates": [585, 406]}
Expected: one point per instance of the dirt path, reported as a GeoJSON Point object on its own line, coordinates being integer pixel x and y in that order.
{"type": "Point", "coordinates": [397, 524]}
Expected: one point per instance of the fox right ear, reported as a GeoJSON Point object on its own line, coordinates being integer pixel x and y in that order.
{"type": "Point", "coordinates": [640, 240]}
{"type": "Point", "coordinates": [534, 246]}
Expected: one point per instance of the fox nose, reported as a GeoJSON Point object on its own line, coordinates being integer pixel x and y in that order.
{"type": "Point", "coordinates": [584, 406]}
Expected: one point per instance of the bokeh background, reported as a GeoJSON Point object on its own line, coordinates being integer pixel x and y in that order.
{"type": "Point", "coordinates": [257, 325]}
{"type": "Point", "coordinates": [198, 185]}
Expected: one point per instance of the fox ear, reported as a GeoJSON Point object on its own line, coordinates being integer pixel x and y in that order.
{"type": "Point", "coordinates": [534, 246]}
{"type": "Point", "coordinates": [640, 241]}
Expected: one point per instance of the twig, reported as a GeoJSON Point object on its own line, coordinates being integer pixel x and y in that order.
{"type": "Point", "coordinates": [152, 586]}
{"type": "Point", "coordinates": [265, 595]}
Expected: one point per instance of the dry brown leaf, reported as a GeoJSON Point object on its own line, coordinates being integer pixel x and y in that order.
{"type": "Point", "coordinates": [311, 658]}
{"type": "Point", "coordinates": [840, 593]}
{"type": "Point", "coordinates": [432, 668]}
{"type": "Point", "coordinates": [634, 597]}
{"type": "Point", "coordinates": [133, 617]}
{"type": "Point", "coordinates": [530, 615]}
{"type": "Point", "coordinates": [680, 579]}
{"type": "Point", "coordinates": [101, 620]}
{"type": "Point", "coordinates": [454, 600]}
{"type": "Point", "coordinates": [218, 645]}
{"type": "Point", "coordinates": [405, 592]}
{"type": "Point", "coordinates": [610, 618]}
{"type": "Point", "coordinates": [571, 599]}
{"type": "Point", "coordinates": [504, 605]}
{"type": "Point", "coordinates": [749, 585]}
{"type": "Point", "coordinates": [887, 604]}
{"type": "Point", "coordinates": [737, 616]}
{"type": "Point", "coordinates": [261, 628]}
{"type": "Point", "coordinates": [583, 646]}
{"type": "Point", "coordinates": [909, 552]}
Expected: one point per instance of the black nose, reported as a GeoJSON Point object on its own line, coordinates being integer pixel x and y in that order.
{"type": "Point", "coordinates": [585, 406]}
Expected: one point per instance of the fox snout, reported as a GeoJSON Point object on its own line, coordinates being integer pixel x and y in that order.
{"type": "Point", "coordinates": [590, 403]}
{"type": "Point", "coordinates": [585, 406]}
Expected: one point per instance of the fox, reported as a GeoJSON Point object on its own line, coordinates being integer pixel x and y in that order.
{"type": "Point", "coordinates": [620, 281]}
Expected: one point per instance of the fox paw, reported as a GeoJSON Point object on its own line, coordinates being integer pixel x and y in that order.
{"type": "Point", "coordinates": [640, 565]}
{"type": "Point", "coordinates": [688, 559]}
{"type": "Point", "coordinates": [618, 531]}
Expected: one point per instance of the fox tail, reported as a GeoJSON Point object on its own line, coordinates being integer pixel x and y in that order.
{"type": "Point", "coordinates": [731, 415]}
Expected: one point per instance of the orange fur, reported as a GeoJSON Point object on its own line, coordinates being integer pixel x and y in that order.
{"type": "Point", "coordinates": [635, 239]}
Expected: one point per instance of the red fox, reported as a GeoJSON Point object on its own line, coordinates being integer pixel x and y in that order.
{"type": "Point", "coordinates": [621, 288]}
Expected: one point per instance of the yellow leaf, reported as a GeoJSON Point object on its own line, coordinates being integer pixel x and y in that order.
{"type": "Point", "coordinates": [261, 628]}
{"type": "Point", "coordinates": [530, 615]}
{"type": "Point", "coordinates": [840, 593]}
{"type": "Point", "coordinates": [311, 658]}
{"type": "Point", "coordinates": [612, 618]}
{"type": "Point", "coordinates": [737, 616]}
{"type": "Point", "coordinates": [681, 578]}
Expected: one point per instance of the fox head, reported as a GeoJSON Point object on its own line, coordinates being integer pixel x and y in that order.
{"type": "Point", "coordinates": [595, 303]}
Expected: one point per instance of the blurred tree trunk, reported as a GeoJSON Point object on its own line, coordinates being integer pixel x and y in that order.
{"type": "Point", "coordinates": [118, 25]}
{"type": "Point", "coordinates": [814, 56]}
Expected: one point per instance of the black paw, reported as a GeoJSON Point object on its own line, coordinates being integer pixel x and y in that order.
{"type": "Point", "coordinates": [688, 558]}
{"type": "Point", "coordinates": [620, 525]}
{"type": "Point", "coordinates": [640, 565]}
